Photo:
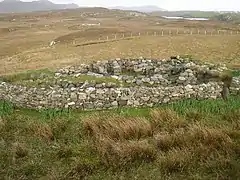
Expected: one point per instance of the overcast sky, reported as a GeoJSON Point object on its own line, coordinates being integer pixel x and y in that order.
{"type": "Point", "coordinates": [233, 5]}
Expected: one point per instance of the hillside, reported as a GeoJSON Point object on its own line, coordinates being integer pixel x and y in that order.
{"type": "Point", "coordinates": [16, 6]}
{"type": "Point", "coordinates": [186, 14]}
{"type": "Point", "coordinates": [146, 9]}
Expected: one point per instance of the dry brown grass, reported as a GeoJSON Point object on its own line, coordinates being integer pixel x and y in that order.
{"type": "Point", "coordinates": [118, 128]}
{"type": "Point", "coordinates": [193, 136]}
{"type": "Point", "coordinates": [121, 153]}
{"type": "Point", "coordinates": [26, 46]}
{"type": "Point", "coordinates": [176, 159]}
{"type": "Point", "coordinates": [121, 145]}
{"type": "Point", "coordinates": [216, 49]}
{"type": "Point", "coordinates": [42, 130]}
{"type": "Point", "coordinates": [165, 138]}
{"type": "Point", "coordinates": [19, 150]}
{"type": "Point", "coordinates": [46, 131]}
{"type": "Point", "coordinates": [166, 119]}
{"type": "Point", "coordinates": [2, 124]}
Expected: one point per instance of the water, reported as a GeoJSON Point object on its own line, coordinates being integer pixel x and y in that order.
{"type": "Point", "coordinates": [190, 19]}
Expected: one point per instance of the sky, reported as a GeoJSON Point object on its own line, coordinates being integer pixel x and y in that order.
{"type": "Point", "coordinates": [233, 5]}
{"type": "Point", "coordinates": [216, 5]}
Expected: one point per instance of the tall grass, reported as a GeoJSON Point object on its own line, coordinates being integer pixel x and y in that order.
{"type": "Point", "coordinates": [183, 107]}
{"type": "Point", "coordinates": [6, 108]}
{"type": "Point", "coordinates": [173, 141]}
{"type": "Point", "coordinates": [50, 114]}
{"type": "Point", "coordinates": [166, 139]}
{"type": "Point", "coordinates": [206, 106]}
{"type": "Point", "coordinates": [236, 73]}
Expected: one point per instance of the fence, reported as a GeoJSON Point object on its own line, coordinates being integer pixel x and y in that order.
{"type": "Point", "coordinates": [175, 32]}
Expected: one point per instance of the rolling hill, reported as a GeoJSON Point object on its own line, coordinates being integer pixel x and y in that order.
{"type": "Point", "coordinates": [16, 6]}
{"type": "Point", "coordinates": [146, 9]}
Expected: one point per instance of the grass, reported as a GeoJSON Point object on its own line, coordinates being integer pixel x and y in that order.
{"type": "Point", "coordinates": [45, 78]}
{"type": "Point", "coordinates": [236, 73]}
{"type": "Point", "coordinates": [187, 139]}
{"type": "Point", "coordinates": [27, 75]}
{"type": "Point", "coordinates": [216, 49]}
{"type": "Point", "coordinates": [27, 48]}
{"type": "Point", "coordinates": [89, 78]}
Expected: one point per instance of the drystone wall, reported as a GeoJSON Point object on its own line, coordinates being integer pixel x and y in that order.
{"type": "Point", "coordinates": [137, 82]}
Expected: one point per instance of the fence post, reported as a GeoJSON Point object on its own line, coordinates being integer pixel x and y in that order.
{"type": "Point", "coordinates": [115, 36]}
{"type": "Point", "coordinates": [107, 38]}
{"type": "Point", "coordinates": [5, 69]}
{"type": "Point", "coordinates": [191, 32]}
{"type": "Point", "coordinates": [162, 32]}
{"type": "Point", "coordinates": [205, 32]}
{"type": "Point", "coordinates": [139, 34]}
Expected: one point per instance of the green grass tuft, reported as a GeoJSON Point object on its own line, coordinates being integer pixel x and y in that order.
{"type": "Point", "coordinates": [236, 73]}
{"type": "Point", "coordinates": [6, 108]}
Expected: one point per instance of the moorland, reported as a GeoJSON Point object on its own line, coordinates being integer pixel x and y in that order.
{"type": "Point", "coordinates": [189, 139]}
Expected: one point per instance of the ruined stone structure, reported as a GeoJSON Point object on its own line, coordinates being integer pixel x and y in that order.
{"type": "Point", "coordinates": [134, 83]}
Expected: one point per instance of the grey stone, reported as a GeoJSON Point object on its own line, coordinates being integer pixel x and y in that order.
{"type": "Point", "coordinates": [145, 98]}
{"type": "Point", "coordinates": [114, 103]}
{"type": "Point", "coordinates": [82, 96]}
{"type": "Point", "coordinates": [188, 87]}
{"type": "Point", "coordinates": [74, 96]}
{"type": "Point", "coordinates": [165, 87]}
{"type": "Point", "coordinates": [182, 78]}
{"type": "Point", "coordinates": [100, 91]}
{"type": "Point", "coordinates": [93, 96]}
{"type": "Point", "coordinates": [71, 103]}
{"type": "Point", "coordinates": [167, 99]}
{"type": "Point", "coordinates": [138, 82]}
{"type": "Point", "coordinates": [73, 88]}
{"type": "Point", "coordinates": [122, 102]}
{"type": "Point", "coordinates": [147, 80]}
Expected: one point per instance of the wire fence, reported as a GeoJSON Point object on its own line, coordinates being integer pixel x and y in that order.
{"type": "Point", "coordinates": [163, 33]}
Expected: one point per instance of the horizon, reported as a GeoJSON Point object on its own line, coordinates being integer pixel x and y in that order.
{"type": "Point", "coordinates": [169, 5]}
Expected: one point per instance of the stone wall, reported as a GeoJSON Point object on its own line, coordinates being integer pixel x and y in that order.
{"type": "Point", "coordinates": [142, 82]}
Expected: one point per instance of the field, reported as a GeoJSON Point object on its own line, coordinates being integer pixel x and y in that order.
{"type": "Point", "coordinates": [184, 140]}
{"type": "Point", "coordinates": [25, 39]}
